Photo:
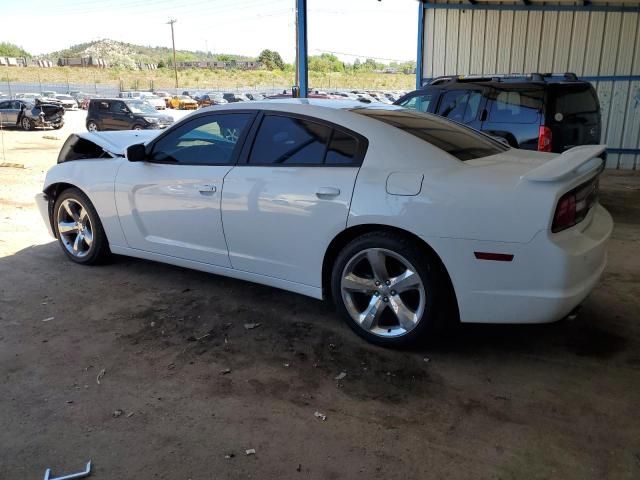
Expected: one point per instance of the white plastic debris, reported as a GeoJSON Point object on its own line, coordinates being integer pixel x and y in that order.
{"type": "Point", "coordinates": [340, 376]}
{"type": "Point", "coordinates": [321, 416]}
{"type": "Point", "coordinates": [250, 451]}
{"type": "Point", "coordinates": [48, 319]}
{"type": "Point", "coordinates": [251, 326]}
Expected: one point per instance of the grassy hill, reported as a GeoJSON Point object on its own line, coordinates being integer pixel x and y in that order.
{"type": "Point", "coordinates": [125, 55]}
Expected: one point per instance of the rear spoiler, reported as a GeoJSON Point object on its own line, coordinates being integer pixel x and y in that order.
{"type": "Point", "coordinates": [575, 160]}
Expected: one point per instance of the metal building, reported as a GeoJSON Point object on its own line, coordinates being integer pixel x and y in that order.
{"type": "Point", "coordinates": [598, 41]}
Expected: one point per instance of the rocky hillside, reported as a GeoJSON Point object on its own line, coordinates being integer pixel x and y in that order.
{"type": "Point", "coordinates": [126, 55]}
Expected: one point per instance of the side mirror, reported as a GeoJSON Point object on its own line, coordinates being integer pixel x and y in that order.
{"type": "Point", "coordinates": [137, 153]}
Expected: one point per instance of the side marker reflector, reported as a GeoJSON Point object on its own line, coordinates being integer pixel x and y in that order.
{"type": "Point", "coordinates": [498, 257]}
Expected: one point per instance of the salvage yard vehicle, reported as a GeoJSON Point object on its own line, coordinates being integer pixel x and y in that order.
{"type": "Point", "coordinates": [406, 220]}
{"type": "Point", "coordinates": [154, 100]}
{"type": "Point", "coordinates": [183, 102]}
{"type": "Point", "coordinates": [124, 114]}
{"type": "Point", "coordinates": [67, 101]}
{"type": "Point", "coordinates": [545, 112]}
{"type": "Point", "coordinates": [209, 99]}
{"type": "Point", "coordinates": [28, 114]}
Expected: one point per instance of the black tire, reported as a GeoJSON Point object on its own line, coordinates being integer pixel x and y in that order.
{"type": "Point", "coordinates": [98, 251]}
{"type": "Point", "coordinates": [26, 124]}
{"type": "Point", "coordinates": [58, 126]}
{"type": "Point", "coordinates": [137, 127]}
{"type": "Point", "coordinates": [92, 126]}
{"type": "Point", "coordinates": [425, 264]}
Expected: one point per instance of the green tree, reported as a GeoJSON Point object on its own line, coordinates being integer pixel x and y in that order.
{"type": "Point", "coordinates": [10, 50]}
{"type": "Point", "coordinates": [277, 60]}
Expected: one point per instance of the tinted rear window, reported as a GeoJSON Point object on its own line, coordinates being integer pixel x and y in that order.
{"type": "Point", "coordinates": [457, 140]}
{"type": "Point", "coordinates": [572, 100]}
{"type": "Point", "coordinates": [516, 106]}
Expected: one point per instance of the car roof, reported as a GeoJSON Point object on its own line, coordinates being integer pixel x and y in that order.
{"type": "Point", "coordinates": [285, 104]}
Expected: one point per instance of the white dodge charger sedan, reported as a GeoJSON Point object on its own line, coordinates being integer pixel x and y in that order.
{"type": "Point", "coordinates": [405, 220]}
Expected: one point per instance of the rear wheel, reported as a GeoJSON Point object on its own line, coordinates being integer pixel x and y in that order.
{"type": "Point", "coordinates": [92, 126]}
{"type": "Point", "coordinates": [137, 127]}
{"type": "Point", "coordinates": [388, 289]}
{"type": "Point", "coordinates": [79, 229]}
{"type": "Point", "coordinates": [26, 124]}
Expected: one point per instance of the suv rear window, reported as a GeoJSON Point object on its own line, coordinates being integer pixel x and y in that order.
{"type": "Point", "coordinates": [572, 100]}
{"type": "Point", "coordinates": [457, 140]}
{"type": "Point", "coordinates": [516, 106]}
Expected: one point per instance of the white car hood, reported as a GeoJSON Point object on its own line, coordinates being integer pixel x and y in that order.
{"type": "Point", "coordinates": [117, 142]}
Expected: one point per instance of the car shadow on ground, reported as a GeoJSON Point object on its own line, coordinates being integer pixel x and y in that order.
{"type": "Point", "coordinates": [182, 316]}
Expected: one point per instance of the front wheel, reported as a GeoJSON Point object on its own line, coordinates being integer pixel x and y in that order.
{"type": "Point", "coordinates": [137, 127]}
{"type": "Point", "coordinates": [79, 229]}
{"type": "Point", "coordinates": [387, 288]}
{"type": "Point", "coordinates": [92, 126]}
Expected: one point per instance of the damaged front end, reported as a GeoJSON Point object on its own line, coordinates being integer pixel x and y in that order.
{"type": "Point", "coordinates": [46, 115]}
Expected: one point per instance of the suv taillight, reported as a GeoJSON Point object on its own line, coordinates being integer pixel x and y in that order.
{"type": "Point", "coordinates": [574, 205]}
{"type": "Point", "coordinates": [544, 139]}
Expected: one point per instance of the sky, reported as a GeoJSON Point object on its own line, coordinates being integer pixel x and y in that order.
{"type": "Point", "coordinates": [385, 30]}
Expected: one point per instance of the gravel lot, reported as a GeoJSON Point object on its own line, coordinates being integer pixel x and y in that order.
{"type": "Point", "coordinates": [148, 370]}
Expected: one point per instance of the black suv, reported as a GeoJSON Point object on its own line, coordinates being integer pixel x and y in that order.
{"type": "Point", "coordinates": [545, 112]}
{"type": "Point", "coordinates": [124, 114]}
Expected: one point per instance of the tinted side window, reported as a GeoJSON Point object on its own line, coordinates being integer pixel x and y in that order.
{"type": "Point", "coordinates": [453, 105]}
{"type": "Point", "coordinates": [102, 105]}
{"type": "Point", "coordinates": [289, 141]}
{"type": "Point", "coordinates": [343, 149]}
{"type": "Point", "coordinates": [515, 106]}
{"type": "Point", "coordinates": [462, 142]}
{"type": "Point", "coordinates": [208, 140]}
{"type": "Point", "coordinates": [118, 107]}
{"type": "Point", "coordinates": [574, 100]}
{"type": "Point", "coordinates": [5, 105]}
{"type": "Point", "coordinates": [419, 102]}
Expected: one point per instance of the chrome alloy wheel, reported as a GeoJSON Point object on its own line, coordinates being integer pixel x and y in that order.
{"type": "Point", "coordinates": [74, 226]}
{"type": "Point", "coordinates": [383, 292]}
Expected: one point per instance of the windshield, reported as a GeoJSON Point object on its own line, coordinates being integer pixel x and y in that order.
{"type": "Point", "coordinates": [455, 139]}
{"type": "Point", "coordinates": [184, 97]}
{"type": "Point", "coordinates": [140, 107]}
{"type": "Point", "coordinates": [151, 97]}
{"type": "Point", "coordinates": [64, 97]}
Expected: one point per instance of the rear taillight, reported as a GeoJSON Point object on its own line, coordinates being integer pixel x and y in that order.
{"type": "Point", "coordinates": [574, 205]}
{"type": "Point", "coordinates": [544, 139]}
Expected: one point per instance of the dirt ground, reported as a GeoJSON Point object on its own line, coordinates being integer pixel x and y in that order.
{"type": "Point", "coordinates": [185, 389]}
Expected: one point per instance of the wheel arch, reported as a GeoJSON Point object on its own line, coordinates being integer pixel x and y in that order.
{"type": "Point", "coordinates": [52, 192]}
{"type": "Point", "coordinates": [347, 235]}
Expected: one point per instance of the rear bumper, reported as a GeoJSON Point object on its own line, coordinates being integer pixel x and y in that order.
{"type": "Point", "coordinates": [43, 206]}
{"type": "Point", "coordinates": [547, 279]}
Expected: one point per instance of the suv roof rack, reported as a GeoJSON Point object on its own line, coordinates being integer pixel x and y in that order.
{"type": "Point", "coordinates": [534, 77]}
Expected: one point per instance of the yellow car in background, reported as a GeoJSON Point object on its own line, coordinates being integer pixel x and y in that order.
{"type": "Point", "coordinates": [182, 102]}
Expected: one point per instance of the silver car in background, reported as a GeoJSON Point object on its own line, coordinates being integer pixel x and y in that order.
{"type": "Point", "coordinates": [28, 114]}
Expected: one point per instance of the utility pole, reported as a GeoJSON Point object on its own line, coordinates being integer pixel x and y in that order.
{"type": "Point", "coordinates": [173, 42]}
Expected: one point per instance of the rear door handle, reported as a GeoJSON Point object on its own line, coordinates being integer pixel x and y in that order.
{"type": "Point", "coordinates": [207, 189]}
{"type": "Point", "coordinates": [327, 192]}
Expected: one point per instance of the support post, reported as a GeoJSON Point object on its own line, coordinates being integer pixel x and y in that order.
{"type": "Point", "coordinates": [302, 65]}
{"type": "Point", "coordinates": [420, 59]}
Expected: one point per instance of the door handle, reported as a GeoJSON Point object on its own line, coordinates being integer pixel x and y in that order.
{"type": "Point", "coordinates": [327, 192]}
{"type": "Point", "coordinates": [207, 189]}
